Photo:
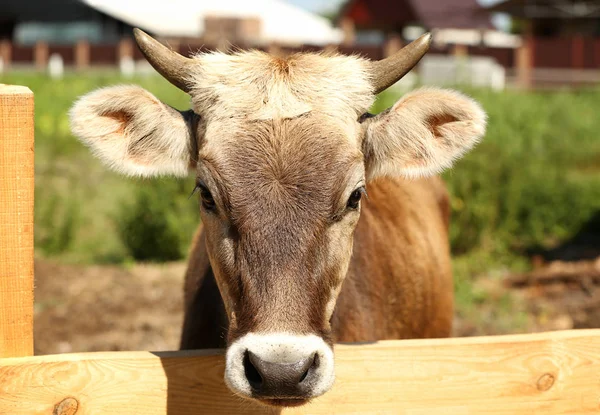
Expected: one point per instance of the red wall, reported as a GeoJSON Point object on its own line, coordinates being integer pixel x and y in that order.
{"type": "Point", "coordinates": [566, 52]}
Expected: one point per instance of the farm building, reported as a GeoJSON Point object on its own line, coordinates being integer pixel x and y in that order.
{"type": "Point", "coordinates": [57, 22]}
{"type": "Point", "coordinates": [552, 18]}
{"type": "Point", "coordinates": [258, 21]}
{"type": "Point", "coordinates": [561, 38]}
{"type": "Point", "coordinates": [431, 14]}
{"type": "Point", "coordinates": [453, 22]}
{"type": "Point", "coordinates": [85, 33]}
{"type": "Point", "coordinates": [106, 21]}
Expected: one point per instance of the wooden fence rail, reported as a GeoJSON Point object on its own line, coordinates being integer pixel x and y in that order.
{"type": "Point", "coordinates": [548, 373]}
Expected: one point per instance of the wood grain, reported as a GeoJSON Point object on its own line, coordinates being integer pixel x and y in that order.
{"type": "Point", "coordinates": [16, 221]}
{"type": "Point", "coordinates": [548, 373]}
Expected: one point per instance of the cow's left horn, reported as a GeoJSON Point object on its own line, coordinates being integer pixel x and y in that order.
{"type": "Point", "coordinates": [170, 64]}
{"type": "Point", "coordinates": [388, 71]}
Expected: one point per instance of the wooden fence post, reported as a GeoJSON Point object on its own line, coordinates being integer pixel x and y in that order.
{"type": "Point", "coordinates": [349, 31]}
{"type": "Point", "coordinates": [16, 221]}
{"type": "Point", "coordinates": [577, 52]}
{"type": "Point", "coordinates": [392, 44]}
{"type": "Point", "coordinates": [125, 49]}
{"type": "Point", "coordinates": [40, 55]}
{"type": "Point", "coordinates": [82, 54]}
{"type": "Point", "coordinates": [460, 51]}
{"type": "Point", "coordinates": [524, 58]}
{"type": "Point", "coordinates": [6, 53]}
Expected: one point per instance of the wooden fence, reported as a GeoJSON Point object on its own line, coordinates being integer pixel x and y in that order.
{"type": "Point", "coordinates": [83, 54]}
{"type": "Point", "coordinates": [547, 373]}
{"type": "Point", "coordinates": [539, 62]}
{"type": "Point", "coordinates": [574, 52]}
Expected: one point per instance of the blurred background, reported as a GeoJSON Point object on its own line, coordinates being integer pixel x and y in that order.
{"type": "Point", "coordinates": [525, 233]}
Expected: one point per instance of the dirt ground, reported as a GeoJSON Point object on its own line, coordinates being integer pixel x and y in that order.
{"type": "Point", "coordinates": [568, 291]}
{"type": "Point", "coordinates": [102, 308]}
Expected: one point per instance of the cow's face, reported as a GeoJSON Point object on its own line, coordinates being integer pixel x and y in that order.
{"type": "Point", "coordinates": [282, 154]}
{"type": "Point", "coordinates": [279, 202]}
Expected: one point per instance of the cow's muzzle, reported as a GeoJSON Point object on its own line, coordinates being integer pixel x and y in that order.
{"type": "Point", "coordinates": [279, 369]}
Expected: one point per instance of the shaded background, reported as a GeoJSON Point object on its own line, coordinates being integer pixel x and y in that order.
{"type": "Point", "coordinates": [525, 233]}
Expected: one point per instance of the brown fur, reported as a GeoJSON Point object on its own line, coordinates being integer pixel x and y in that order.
{"type": "Point", "coordinates": [280, 187]}
{"type": "Point", "coordinates": [399, 283]}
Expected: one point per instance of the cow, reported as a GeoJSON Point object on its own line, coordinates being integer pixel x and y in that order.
{"type": "Point", "coordinates": [320, 222]}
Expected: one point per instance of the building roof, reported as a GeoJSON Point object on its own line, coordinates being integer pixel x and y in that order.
{"type": "Point", "coordinates": [433, 14]}
{"type": "Point", "coordinates": [541, 9]}
{"type": "Point", "coordinates": [45, 11]}
{"type": "Point", "coordinates": [280, 21]}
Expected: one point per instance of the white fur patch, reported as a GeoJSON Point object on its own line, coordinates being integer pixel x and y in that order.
{"type": "Point", "coordinates": [256, 86]}
{"type": "Point", "coordinates": [279, 348]}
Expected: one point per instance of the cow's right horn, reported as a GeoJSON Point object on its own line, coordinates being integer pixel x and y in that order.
{"type": "Point", "coordinates": [170, 64]}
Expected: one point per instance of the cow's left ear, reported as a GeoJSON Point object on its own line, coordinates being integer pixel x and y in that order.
{"type": "Point", "coordinates": [422, 134]}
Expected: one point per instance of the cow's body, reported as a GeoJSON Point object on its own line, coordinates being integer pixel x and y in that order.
{"type": "Point", "coordinates": [399, 283]}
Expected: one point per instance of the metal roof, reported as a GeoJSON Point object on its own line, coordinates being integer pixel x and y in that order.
{"type": "Point", "coordinates": [280, 21]}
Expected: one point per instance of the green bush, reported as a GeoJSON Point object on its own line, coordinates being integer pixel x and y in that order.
{"type": "Point", "coordinates": [534, 180]}
{"type": "Point", "coordinates": [153, 227]}
{"type": "Point", "coordinates": [58, 220]}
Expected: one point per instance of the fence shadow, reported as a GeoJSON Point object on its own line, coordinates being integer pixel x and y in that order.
{"type": "Point", "coordinates": [195, 386]}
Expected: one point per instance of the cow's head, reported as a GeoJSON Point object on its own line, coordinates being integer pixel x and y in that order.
{"type": "Point", "coordinates": [282, 150]}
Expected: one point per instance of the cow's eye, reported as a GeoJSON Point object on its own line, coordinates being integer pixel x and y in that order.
{"type": "Point", "coordinates": [355, 197]}
{"type": "Point", "coordinates": [206, 198]}
{"type": "Point", "coordinates": [208, 202]}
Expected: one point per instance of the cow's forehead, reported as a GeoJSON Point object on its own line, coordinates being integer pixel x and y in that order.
{"type": "Point", "coordinates": [288, 163]}
{"type": "Point", "coordinates": [256, 86]}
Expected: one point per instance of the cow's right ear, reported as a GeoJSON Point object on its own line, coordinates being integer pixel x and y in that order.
{"type": "Point", "coordinates": [134, 133]}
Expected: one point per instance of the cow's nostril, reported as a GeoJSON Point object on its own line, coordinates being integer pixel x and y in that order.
{"type": "Point", "coordinates": [276, 379]}
{"type": "Point", "coordinates": [252, 373]}
{"type": "Point", "coordinates": [312, 366]}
